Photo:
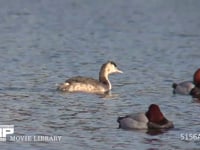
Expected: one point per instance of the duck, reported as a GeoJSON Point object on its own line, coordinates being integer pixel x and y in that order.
{"type": "Point", "coordinates": [152, 119]}
{"type": "Point", "coordinates": [183, 88]}
{"type": "Point", "coordinates": [195, 92]}
{"type": "Point", "coordinates": [196, 78]}
{"type": "Point", "coordinates": [188, 87]}
{"type": "Point", "coordinates": [90, 85]}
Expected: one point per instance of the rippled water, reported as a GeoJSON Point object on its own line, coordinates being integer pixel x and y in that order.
{"type": "Point", "coordinates": [43, 42]}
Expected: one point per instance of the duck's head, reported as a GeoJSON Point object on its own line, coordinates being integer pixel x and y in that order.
{"type": "Point", "coordinates": [195, 92]}
{"type": "Point", "coordinates": [196, 78]}
{"type": "Point", "coordinates": [110, 67]}
{"type": "Point", "coordinates": [154, 114]}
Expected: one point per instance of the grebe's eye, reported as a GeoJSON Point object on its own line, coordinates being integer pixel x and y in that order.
{"type": "Point", "coordinates": [113, 63]}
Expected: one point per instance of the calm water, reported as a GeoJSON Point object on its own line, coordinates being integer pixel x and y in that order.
{"type": "Point", "coordinates": [44, 42]}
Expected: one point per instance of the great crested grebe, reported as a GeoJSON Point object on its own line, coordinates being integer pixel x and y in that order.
{"type": "Point", "coordinates": [90, 85]}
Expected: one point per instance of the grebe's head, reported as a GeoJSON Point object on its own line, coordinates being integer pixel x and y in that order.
{"type": "Point", "coordinates": [196, 78]}
{"type": "Point", "coordinates": [110, 67]}
{"type": "Point", "coordinates": [154, 114]}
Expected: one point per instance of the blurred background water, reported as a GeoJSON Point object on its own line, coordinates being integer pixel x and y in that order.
{"type": "Point", "coordinates": [44, 42]}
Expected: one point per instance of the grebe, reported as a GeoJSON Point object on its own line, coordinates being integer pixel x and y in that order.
{"type": "Point", "coordinates": [90, 85]}
{"type": "Point", "coordinates": [152, 119]}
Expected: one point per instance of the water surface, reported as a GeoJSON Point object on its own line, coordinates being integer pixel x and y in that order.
{"type": "Point", "coordinates": [44, 42]}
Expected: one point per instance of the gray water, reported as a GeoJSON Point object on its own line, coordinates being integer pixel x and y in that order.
{"type": "Point", "coordinates": [44, 42]}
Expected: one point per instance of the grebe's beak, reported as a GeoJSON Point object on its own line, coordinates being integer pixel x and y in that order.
{"type": "Point", "coordinates": [118, 71]}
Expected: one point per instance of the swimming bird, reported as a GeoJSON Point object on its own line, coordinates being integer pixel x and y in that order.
{"type": "Point", "coordinates": [196, 78]}
{"type": "Point", "coordinates": [187, 87]}
{"type": "Point", "coordinates": [90, 85]}
{"type": "Point", "coordinates": [183, 88]}
{"type": "Point", "coordinates": [152, 119]}
{"type": "Point", "coordinates": [195, 92]}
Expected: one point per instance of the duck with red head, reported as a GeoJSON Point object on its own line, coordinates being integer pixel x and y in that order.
{"type": "Point", "coordinates": [195, 92]}
{"type": "Point", "coordinates": [188, 87]}
{"type": "Point", "coordinates": [152, 119]}
{"type": "Point", "coordinates": [156, 118]}
{"type": "Point", "coordinates": [196, 78]}
{"type": "Point", "coordinates": [183, 88]}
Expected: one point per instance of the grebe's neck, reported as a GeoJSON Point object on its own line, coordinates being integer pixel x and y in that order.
{"type": "Point", "coordinates": [103, 78]}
